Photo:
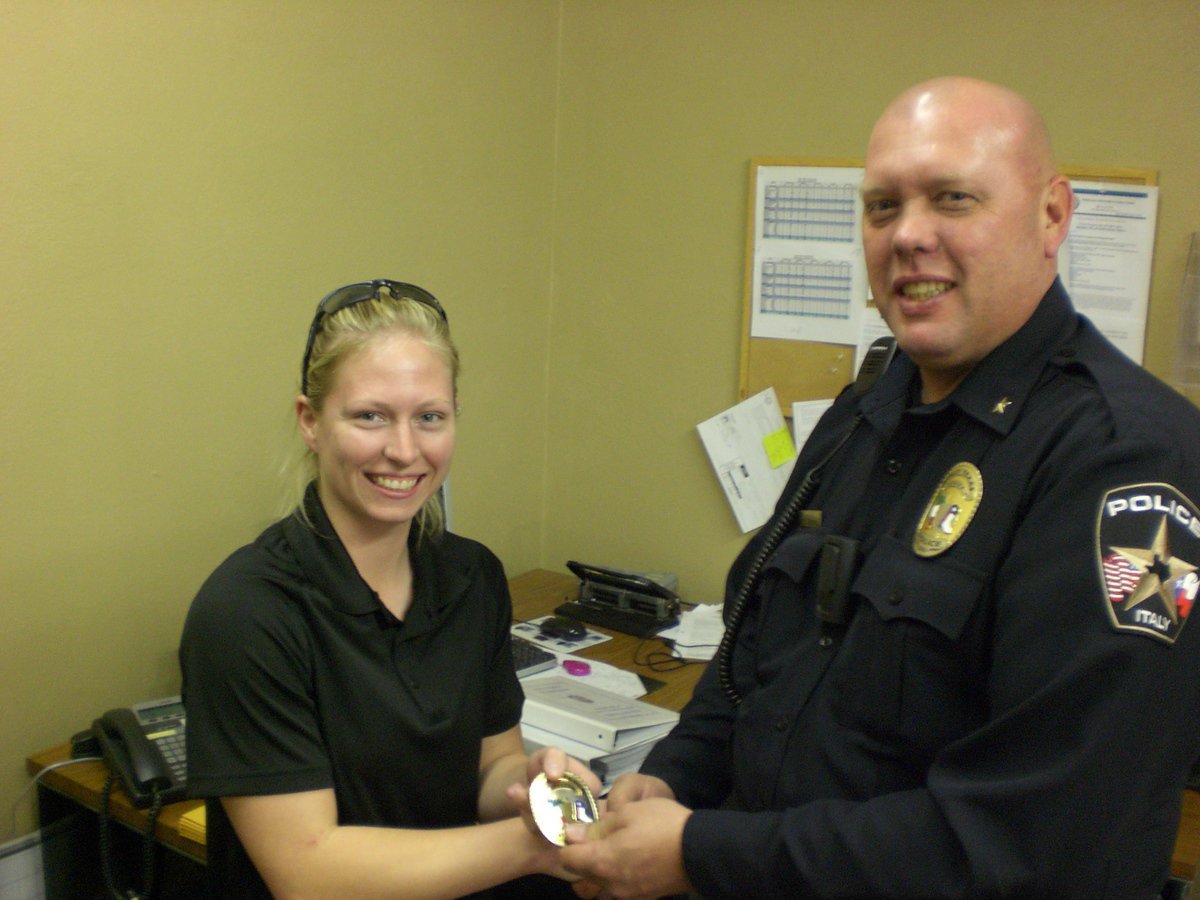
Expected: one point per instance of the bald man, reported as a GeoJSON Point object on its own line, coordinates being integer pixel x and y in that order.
{"type": "Point", "coordinates": [967, 669]}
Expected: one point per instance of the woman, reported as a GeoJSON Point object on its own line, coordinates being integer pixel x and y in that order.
{"type": "Point", "coordinates": [352, 705]}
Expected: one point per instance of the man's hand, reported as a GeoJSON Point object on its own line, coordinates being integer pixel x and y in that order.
{"type": "Point", "coordinates": [633, 787]}
{"type": "Point", "coordinates": [634, 851]}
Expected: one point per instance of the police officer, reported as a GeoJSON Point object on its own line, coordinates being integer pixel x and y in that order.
{"type": "Point", "coordinates": [956, 660]}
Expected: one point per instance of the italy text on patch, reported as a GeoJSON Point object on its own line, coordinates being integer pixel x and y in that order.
{"type": "Point", "coordinates": [1148, 549]}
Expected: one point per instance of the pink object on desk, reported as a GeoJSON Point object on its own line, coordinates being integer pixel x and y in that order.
{"type": "Point", "coordinates": [576, 667]}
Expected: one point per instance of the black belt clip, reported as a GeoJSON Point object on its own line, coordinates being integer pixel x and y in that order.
{"type": "Point", "coordinates": [835, 572]}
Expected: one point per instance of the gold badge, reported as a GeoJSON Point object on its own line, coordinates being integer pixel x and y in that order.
{"type": "Point", "coordinates": [949, 511]}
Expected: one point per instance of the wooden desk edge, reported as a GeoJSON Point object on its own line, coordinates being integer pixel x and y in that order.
{"type": "Point", "coordinates": [83, 783]}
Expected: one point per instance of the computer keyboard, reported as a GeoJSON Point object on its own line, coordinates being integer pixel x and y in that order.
{"type": "Point", "coordinates": [529, 658]}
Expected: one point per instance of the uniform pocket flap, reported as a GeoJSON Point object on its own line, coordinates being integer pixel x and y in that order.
{"type": "Point", "coordinates": [796, 553]}
{"type": "Point", "coordinates": [933, 590]}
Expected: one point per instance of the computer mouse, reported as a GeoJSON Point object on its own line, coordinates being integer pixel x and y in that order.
{"type": "Point", "coordinates": [562, 628]}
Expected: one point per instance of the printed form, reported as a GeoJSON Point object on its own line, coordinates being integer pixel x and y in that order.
{"type": "Point", "coordinates": [1105, 263]}
{"type": "Point", "coordinates": [809, 282]}
{"type": "Point", "coordinates": [752, 452]}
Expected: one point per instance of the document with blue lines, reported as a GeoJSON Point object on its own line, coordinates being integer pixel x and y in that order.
{"type": "Point", "coordinates": [809, 282]}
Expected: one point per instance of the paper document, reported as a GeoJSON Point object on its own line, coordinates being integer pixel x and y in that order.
{"type": "Point", "coordinates": [809, 281]}
{"type": "Point", "coordinates": [805, 415]}
{"type": "Point", "coordinates": [751, 450]}
{"type": "Point", "coordinates": [1105, 263]}
{"type": "Point", "coordinates": [193, 824]}
{"type": "Point", "coordinates": [599, 675]}
{"type": "Point", "coordinates": [698, 633]}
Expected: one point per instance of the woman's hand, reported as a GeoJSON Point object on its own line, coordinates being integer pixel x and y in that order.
{"type": "Point", "coordinates": [554, 763]}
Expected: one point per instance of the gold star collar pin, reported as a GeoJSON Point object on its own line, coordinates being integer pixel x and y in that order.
{"type": "Point", "coordinates": [1001, 406]}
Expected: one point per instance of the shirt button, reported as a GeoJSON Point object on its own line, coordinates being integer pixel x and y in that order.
{"type": "Point", "coordinates": [781, 724]}
{"type": "Point", "coordinates": [824, 641]}
{"type": "Point", "coordinates": [892, 467]}
{"type": "Point", "coordinates": [895, 597]}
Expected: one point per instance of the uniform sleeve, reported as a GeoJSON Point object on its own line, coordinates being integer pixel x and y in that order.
{"type": "Point", "coordinates": [1068, 785]}
{"type": "Point", "coordinates": [252, 727]}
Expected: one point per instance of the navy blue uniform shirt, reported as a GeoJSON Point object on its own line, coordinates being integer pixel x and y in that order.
{"type": "Point", "coordinates": [1010, 714]}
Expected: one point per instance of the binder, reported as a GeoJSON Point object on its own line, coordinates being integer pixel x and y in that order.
{"type": "Point", "coordinates": [608, 766]}
{"type": "Point", "coordinates": [593, 716]}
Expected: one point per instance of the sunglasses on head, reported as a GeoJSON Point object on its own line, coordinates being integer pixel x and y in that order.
{"type": "Point", "coordinates": [359, 292]}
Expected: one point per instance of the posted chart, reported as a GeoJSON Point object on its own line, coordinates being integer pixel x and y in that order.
{"type": "Point", "coordinates": [804, 286]}
{"type": "Point", "coordinates": [808, 281]}
{"type": "Point", "coordinates": [810, 209]}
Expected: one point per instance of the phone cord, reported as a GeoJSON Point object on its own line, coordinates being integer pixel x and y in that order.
{"type": "Point", "coordinates": [148, 848]}
{"type": "Point", "coordinates": [783, 523]}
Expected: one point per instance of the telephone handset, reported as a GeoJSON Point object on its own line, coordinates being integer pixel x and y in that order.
{"type": "Point", "coordinates": [143, 746]}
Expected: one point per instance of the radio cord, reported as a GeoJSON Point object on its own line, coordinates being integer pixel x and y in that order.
{"type": "Point", "coordinates": [148, 848]}
{"type": "Point", "coordinates": [783, 523]}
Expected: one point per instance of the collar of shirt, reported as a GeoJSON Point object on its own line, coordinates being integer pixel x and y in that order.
{"type": "Point", "coordinates": [437, 582]}
{"type": "Point", "coordinates": [997, 388]}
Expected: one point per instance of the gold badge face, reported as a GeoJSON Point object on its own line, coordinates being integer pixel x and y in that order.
{"type": "Point", "coordinates": [557, 804]}
{"type": "Point", "coordinates": [950, 510]}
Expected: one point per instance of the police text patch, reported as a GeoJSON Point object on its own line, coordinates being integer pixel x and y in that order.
{"type": "Point", "coordinates": [1148, 549]}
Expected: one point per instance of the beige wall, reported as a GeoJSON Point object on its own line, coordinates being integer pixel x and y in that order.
{"type": "Point", "coordinates": [182, 181]}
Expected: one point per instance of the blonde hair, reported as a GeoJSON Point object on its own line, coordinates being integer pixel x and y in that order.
{"type": "Point", "coordinates": [345, 333]}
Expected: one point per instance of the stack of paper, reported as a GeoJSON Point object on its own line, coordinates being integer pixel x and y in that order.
{"type": "Point", "coordinates": [193, 824]}
{"type": "Point", "coordinates": [609, 733]}
{"type": "Point", "coordinates": [698, 634]}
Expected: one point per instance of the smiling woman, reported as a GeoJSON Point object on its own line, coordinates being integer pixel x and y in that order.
{"type": "Point", "coordinates": [381, 437]}
{"type": "Point", "coordinates": [353, 709]}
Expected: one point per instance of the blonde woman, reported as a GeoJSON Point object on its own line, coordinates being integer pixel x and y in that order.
{"type": "Point", "coordinates": [353, 713]}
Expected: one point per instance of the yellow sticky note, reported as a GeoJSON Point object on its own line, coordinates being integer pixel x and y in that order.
{"type": "Point", "coordinates": [779, 447]}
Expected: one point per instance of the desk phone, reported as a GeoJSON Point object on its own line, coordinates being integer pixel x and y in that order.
{"type": "Point", "coordinates": [143, 745]}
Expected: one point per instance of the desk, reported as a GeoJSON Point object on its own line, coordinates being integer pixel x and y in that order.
{"type": "Point", "coordinates": [538, 592]}
{"type": "Point", "coordinates": [534, 593]}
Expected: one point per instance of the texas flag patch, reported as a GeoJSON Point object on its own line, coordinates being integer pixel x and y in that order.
{"type": "Point", "coordinates": [1148, 549]}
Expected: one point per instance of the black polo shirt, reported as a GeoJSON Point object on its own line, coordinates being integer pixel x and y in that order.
{"type": "Point", "coordinates": [297, 678]}
{"type": "Point", "coordinates": [1012, 715]}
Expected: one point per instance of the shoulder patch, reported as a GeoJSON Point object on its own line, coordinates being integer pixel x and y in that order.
{"type": "Point", "coordinates": [1148, 551]}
